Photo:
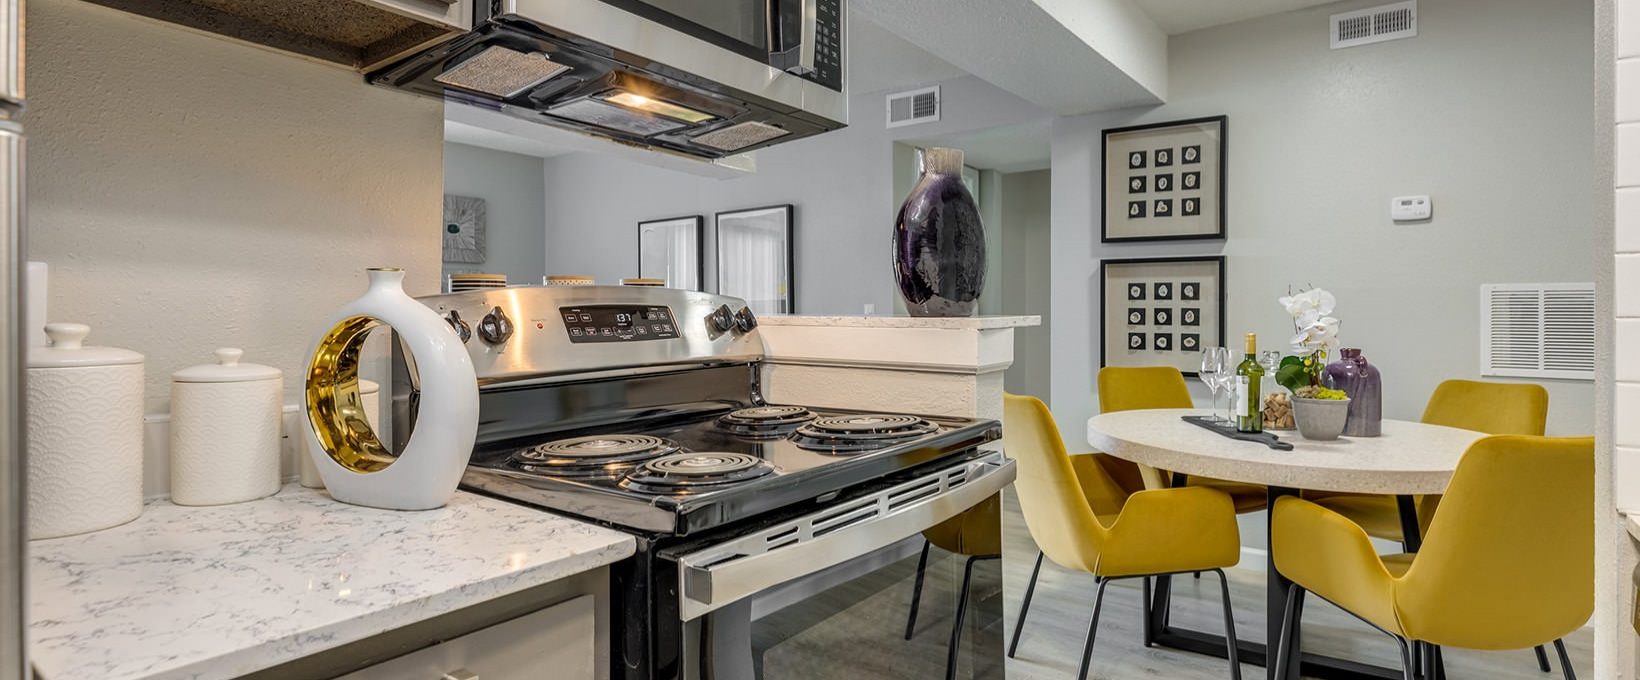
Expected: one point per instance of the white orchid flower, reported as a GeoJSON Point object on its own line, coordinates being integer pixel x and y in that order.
{"type": "Point", "coordinates": [1318, 335]}
{"type": "Point", "coordinates": [1309, 306]}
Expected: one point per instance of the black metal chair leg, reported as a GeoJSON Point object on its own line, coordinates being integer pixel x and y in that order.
{"type": "Point", "coordinates": [1565, 660]}
{"type": "Point", "coordinates": [1542, 657]}
{"type": "Point", "coordinates": [962, 608]}
{"type": "Point", "coordinates": [1406, 658]}
{"type": "Point", "coordinates": [1229, 627]}
{"type": "Point", "coordinates": [1093, 628]}
{"type": "Point", "coordinates": [1024, 607]}
{"type": "Point", "coordinates": [1286, 652]}
{"type": "Point", "coordinates": [916, 591]}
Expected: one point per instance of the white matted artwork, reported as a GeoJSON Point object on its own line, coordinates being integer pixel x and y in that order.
{"type": "Point", "coordinates": [670, 250]}
{"type": "Point", "coordinates": [755, 261]}
{"type": "Point", "coordinates": [1160, 311]}
{"type": "Point", "coordinates": [1164, 181]}
{"type": "Point", "coordinates": [464, 239]}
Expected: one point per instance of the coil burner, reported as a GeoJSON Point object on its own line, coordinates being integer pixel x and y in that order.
{"type": "Point", "coordinates": [765, 421]}
{"type": "Point", "coordinates": [601, 455]}
{"type": "Point", "coordinates": [695, 472]}
{"type": "Point", "coordinates": [856, 433]}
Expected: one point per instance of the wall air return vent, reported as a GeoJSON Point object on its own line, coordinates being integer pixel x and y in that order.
{"type": "Point", "coordinates": [1541, 330]}
{"type": "Point", "coordinates": [914, 106]}
{"type": "Point", "coordinates": [1375, 25]}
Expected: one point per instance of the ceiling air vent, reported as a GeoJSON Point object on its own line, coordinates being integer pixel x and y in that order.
{"type": "Point", "coordinates": [1375, 25]}
{"type": "Point", "coordinates": [914, 106]}
{"type": "Point", "coordinates": [1539, 330]}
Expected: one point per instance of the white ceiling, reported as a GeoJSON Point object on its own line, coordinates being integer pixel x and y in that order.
{"type": "Point", "coordinates": [1183, 16]}
{"type": "Point", "coordinates": [1009, 148]}
{"type": "Point", "coordinates": [879, 60]}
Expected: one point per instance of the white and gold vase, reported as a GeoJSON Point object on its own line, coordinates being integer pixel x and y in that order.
{"type": "Point", "coordinates": [352, 461]}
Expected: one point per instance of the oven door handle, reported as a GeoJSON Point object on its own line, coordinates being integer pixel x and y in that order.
{"type": "Point", "coordinates": [728, 572]}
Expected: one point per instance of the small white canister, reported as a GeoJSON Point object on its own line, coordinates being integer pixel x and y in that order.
{"type": "Point", "coordinates": [225, 420]}
{"type": "Point", "coordinates": [84, 435]}
{"type": "Point", "coordinates": [370, 397]}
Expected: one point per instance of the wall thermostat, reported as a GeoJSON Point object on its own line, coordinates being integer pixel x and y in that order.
{"type": "Point", "coordinates": [1407, 208]}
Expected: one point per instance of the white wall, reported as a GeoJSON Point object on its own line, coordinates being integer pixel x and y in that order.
{"type": "Point", "coordinates": [1617, 462]}
{"type": "Point", "coordinates": [515, 226]}
{"type": "Point", "coordinates": [842, 184]}
{"type": "Point", "coordinates": [192, 193]}
{"type": "Point", "coordinates": [1026, 228]}
{"type": "Point", "coordinates": [1320, 140]}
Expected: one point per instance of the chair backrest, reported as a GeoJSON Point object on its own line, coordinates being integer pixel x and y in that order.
{"type": "Point", "coordinates": [1129, 389]}
{"type": "Point", "coordinates": [1509, 558]}
{"type": "Point", "coordinates": [1058, 514]}
{"type": "Point", "coordinates": [1493, 408]}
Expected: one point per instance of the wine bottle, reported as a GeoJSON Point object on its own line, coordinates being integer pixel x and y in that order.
{"type": "Point", "coordinates": [1249, 390]}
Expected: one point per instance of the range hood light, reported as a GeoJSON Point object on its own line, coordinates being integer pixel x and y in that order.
{"type": "Point", "coordinates": [633, 100]}
{"type": "Point", "coordinates": [501, 72]}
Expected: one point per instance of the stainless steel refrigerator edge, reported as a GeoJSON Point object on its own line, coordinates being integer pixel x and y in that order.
{"type": "Point", "coordinates": [13, 468]}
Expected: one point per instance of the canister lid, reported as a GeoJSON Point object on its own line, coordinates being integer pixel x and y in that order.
{"type": "Point", "coordinates": [226, 369]}
{"type": "Point", "coordinates": [68, 349]}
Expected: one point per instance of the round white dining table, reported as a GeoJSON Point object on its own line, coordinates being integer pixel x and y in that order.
{"type": "Point", "coordinates": [1408, 459]}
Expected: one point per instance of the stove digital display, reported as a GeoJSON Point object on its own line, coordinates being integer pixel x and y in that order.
{"type": "Point", "coordinates": [618, 323]}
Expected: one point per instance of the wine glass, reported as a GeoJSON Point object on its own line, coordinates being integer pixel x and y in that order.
{"type": "Point", "coordinates": [1214, 361]}
{"type": "Point", "coordinates": [1227, 383]}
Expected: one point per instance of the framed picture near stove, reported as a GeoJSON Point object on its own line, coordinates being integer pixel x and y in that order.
{"type": "Point", "coordinates": [1164, 181]}
{"type": "Point", "coordinates": [755, 260]}
{"type": "Point", "coordinates": [671, 249]}
{"type": "Point", "coordinates": [1160, 311]}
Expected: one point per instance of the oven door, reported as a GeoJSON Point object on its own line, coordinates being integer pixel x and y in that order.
{"type": "Point", "coordinates": [830, 594]}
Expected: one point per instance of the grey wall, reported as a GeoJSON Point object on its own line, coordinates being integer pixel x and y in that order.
{"type": "Point", "coordinates": [1026, 228]}
{"type": "Point", "coordinates": [842, 184]}
{"type": "Point", "coordinates": [1320, 140]}
{"type": "Point", "coordinates": [512, 187]}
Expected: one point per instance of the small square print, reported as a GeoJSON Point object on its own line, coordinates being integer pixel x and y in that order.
{"type": "Point", "coordinates": [1164, 207]}
{"type": "Point", "coordinates": [1190, 316]}
{"type": "Point", "coordinates": [1136, 184]}
{"type": "Point", "coordinates": [1190, 342]}
{"type": "Point", "coordinates": [1136, 291]}
{"type": "Point", "coordinates": [1163, 342]}
{"type": "Point", "coordinates": [1136, 342]}
{"type": "Point", "coordinates": [1136, 160]}
{"type": "Point", "coordinates": [1164, 182]}
{"type": "Point", "coordinates": [1136, 315]}
{"type": "Point", "coordinates": [1161, 316]}
{"type": "Point", "coordinates": [1190, 206]}
{"type": "Point", "coordinates": [1136, 209]}
{"type": "Point", "coordinates": [1164, 291]}
{"type": "Point", "coordinates": [1164, 157]}
{"type": "Point", "coordinates": [1191, 154]}
{"type": "Point", "coordinates": [1190, 181]}
{"type": "Point", "coordinates": [1190, 290]}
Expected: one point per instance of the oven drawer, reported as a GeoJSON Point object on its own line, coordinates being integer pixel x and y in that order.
{"type": "Point", "coordinates": [556, 643]}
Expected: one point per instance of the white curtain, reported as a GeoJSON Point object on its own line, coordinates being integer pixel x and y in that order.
{"type": "Point", "coordinates": [753, 259]}
{"type": "Point", "coordinates": [670, 250]}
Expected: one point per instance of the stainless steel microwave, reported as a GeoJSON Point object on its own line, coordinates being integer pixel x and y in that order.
{"type": "Point", "coordinates": [704, 78]}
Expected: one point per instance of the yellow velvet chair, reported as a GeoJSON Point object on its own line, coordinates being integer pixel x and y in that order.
{"type": "Point", "coordinates": [1152, 387]}
{"type": "Point", "coordinates": [975, 534]}
{"type": "Point", "coordinates": [1151, 532]}
{"type": "Point", "coordinates": [1470, 585]}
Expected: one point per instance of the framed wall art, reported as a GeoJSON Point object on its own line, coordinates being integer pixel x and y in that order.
{"type": "Point", "coordinates": [1164, 181]}
{"type": "Point", "coordinates": [671, 250]}
{"type": "Point", "coordinates": [755, 260]}
{"type": "Point", "coordinates": [464, 239]}
{"type": "Point", "coordinates": [1160, 311]}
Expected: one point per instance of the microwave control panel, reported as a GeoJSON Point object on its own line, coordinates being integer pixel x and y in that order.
{"type": "Point", "coordinates": [618, 323]}
{"type": "Point", "coordinates": [828, 44]}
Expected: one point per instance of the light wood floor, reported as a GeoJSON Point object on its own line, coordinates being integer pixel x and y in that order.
{"type": "Point", "coordinates": [1052, 645]}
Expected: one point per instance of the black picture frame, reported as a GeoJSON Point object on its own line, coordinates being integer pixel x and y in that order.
{"type": "Point", "coordinates": [699, 224]}
{"type": "Point", "coordinates": [1175, 164]}
{"type": "Point", "coordinates": [1125, 331]}
{"type": "Point", "coordinates": [790, 233]}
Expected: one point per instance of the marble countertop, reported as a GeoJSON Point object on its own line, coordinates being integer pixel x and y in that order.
{"type": "Point", "coordinates": [951, 323]}
{"type": "Point", "coordinates": [217, 592]}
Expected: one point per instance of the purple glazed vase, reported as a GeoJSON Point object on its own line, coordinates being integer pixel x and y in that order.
{"type": "Point", "coordinates": [939, 243]}
{"type": "Point", "coordinates": [1364, 384]}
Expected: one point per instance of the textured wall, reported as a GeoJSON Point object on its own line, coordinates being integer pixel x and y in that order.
{"type": "Point", "coordinates": [192, 193]}
{"type": "Point", "coordinates": [515, 225]}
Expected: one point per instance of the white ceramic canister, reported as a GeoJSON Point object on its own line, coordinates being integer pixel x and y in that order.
{"type": "Point", "coordinates": [225, 420]}
{"type": "Point", "coordinates": [84, 435]}
{"type": "Point", "coordinates": [370, 396]}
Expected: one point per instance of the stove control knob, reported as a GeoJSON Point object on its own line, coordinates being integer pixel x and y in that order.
{"type": "Point", "coordinates": [495, 327]}
{"type": "Point", "coordinates": [744, 320]}
{"type": "Point", "coordinates": [462, 328]}
{"type": "Point", "coordinates": [721, 319]}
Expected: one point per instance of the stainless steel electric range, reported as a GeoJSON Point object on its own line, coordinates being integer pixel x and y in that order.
{"type": "Point", "coordinates": [776, 541]}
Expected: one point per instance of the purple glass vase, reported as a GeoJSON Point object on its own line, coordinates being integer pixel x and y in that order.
{"type": "Point", "coordinates": [939, 243]}
{"type": "Point", "coordinates": [1364, 384]}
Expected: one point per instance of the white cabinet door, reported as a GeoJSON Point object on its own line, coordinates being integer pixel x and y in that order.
{"type": "Point", "coordinates": [555, 643]}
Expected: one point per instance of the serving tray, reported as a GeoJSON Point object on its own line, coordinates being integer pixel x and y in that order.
{"type": "Point", "coordinates": [1225, 430]}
